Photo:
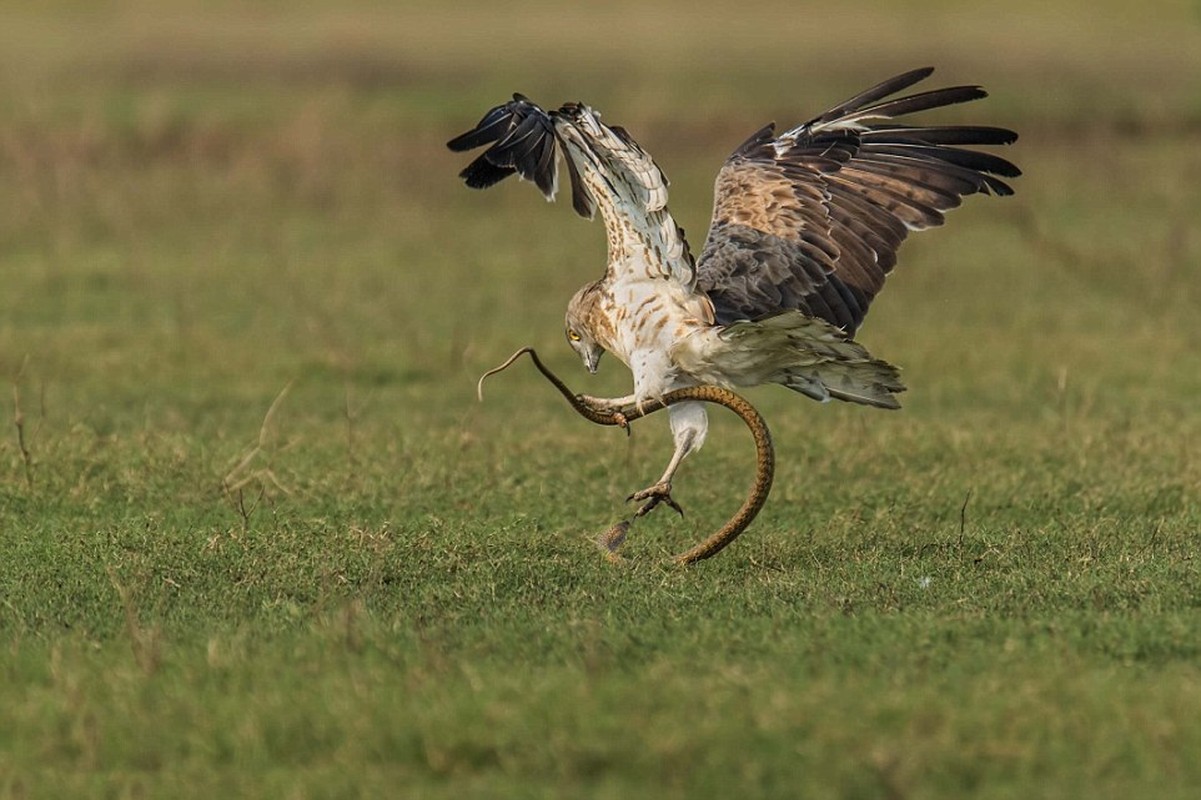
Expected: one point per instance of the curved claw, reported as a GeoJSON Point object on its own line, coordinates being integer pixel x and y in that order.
{"type": "Point", "coordinates": [623, 423]}
{"type": "Point", "coordinates": [598, 409]}
{"type": "Point", "coordinates": [654, 495]}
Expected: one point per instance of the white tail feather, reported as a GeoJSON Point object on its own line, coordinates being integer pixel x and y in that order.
{"type": "Point", "coordinates": [805, 354]}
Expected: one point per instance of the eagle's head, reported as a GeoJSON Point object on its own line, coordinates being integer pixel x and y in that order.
{"type": "Point", "coordinates": [579, 329]}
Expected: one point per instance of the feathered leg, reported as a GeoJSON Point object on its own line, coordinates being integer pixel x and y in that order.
{"type": "Point", "coordinates": [689, 424]}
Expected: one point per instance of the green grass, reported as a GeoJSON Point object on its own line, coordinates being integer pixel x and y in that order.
{"type": "Point", "coordinates": [233, 253]}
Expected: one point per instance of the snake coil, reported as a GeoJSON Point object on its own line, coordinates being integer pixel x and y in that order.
{"type": "Point", "coordinates": [765, 458]}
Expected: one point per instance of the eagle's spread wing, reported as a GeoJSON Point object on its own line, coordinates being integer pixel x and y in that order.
{"type": "Point", "coordinates": [607, 169]}
{"type": "Point", "coordinates": [812, 220]}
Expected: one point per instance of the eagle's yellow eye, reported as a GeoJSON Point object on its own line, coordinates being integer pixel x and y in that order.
{"type": "Point", "coordinates": [575, 337]}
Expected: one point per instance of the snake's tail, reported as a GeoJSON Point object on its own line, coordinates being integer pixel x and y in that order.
{"type": "Point", "coordinates": [765, 469]}
{"type": "Point", "coordinates": [613, 538]}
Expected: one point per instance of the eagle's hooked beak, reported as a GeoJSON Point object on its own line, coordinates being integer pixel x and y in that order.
{"type": "Point", "coordinates": [592, 362]}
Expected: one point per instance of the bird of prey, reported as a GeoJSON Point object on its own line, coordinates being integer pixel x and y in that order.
{"type": "Point", "coordinates": [806, 226]}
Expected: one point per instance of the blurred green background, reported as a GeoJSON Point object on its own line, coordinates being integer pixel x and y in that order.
{"type": "Point", "coordinates": [258, 538]}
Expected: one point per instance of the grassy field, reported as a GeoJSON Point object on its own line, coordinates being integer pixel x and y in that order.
{"type": "Point", "coordinates": [257, 537]}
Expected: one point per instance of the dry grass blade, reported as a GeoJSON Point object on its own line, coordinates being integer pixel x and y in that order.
{"type": "Point", "coordinates": [242, 473]}
{"type": "Point", "coordinates": [19, 422]}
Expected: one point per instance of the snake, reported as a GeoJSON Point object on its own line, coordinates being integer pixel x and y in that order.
{"type": "Point", "coordinates": [765, 458]}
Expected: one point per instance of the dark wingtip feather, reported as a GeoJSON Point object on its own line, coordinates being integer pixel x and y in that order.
{"type": "Point", "coordinates": [1002, 135]}
{"type": "Point", "coordinates": [881, 90]}
{"type": "Point", "coordinates": [924, 101]}
{"type": "Point", "coordinates": [491, 127]}
{"type": "Point", "coordinates": [469, 141]}
{"type": "Point", "coordinates": [940, 134]}
{"type": "Point", "coordinates": [481, 173]}
{"type": "Point", "coordinates": [997, 186]}
{"type": "Point", "coordinates": [523, 142]}
{"type": "Point", "coordinates": [757, 139]}
{"type": "Point", "coordinates": [581, 201]}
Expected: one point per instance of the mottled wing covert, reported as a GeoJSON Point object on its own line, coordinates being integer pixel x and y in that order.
{"type": "Point", "coordinates": [811, 220]}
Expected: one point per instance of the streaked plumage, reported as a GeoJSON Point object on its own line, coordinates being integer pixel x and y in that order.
{"type": "Point", "coordinates": [805, 229]}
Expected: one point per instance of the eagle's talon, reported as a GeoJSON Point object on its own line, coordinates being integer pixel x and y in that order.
{"type": "Point", "coordinates": [654, 495]}
{"type": "Point", "coordinates": [622, 422]}
{"type": "Point", "coordinates": [600, 407]}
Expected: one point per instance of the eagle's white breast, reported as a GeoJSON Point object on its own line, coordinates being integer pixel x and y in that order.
{"type": "Point", "coordinates": [647, 321]}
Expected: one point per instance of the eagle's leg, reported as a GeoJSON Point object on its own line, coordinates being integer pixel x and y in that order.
{"type": "Point", "coordinates": [688, 426]}
{"type": "Point", "coordinates": [660, 491]}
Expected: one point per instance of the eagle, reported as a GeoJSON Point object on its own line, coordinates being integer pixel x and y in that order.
{"type": "Point", "coordinates": [805, 229]}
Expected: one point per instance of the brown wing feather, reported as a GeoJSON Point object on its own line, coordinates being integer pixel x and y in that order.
{"type": "Point", "coordinates": [812, 219]}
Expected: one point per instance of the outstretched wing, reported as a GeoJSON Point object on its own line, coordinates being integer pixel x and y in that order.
{"type": "Point", "coordinates": [607, 169]}
{"type": "Point", "coordinates": [812, 219]}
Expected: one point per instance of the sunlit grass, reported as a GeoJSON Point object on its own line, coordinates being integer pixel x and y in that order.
{"type": "Point", "coordinates": [263, 541]}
